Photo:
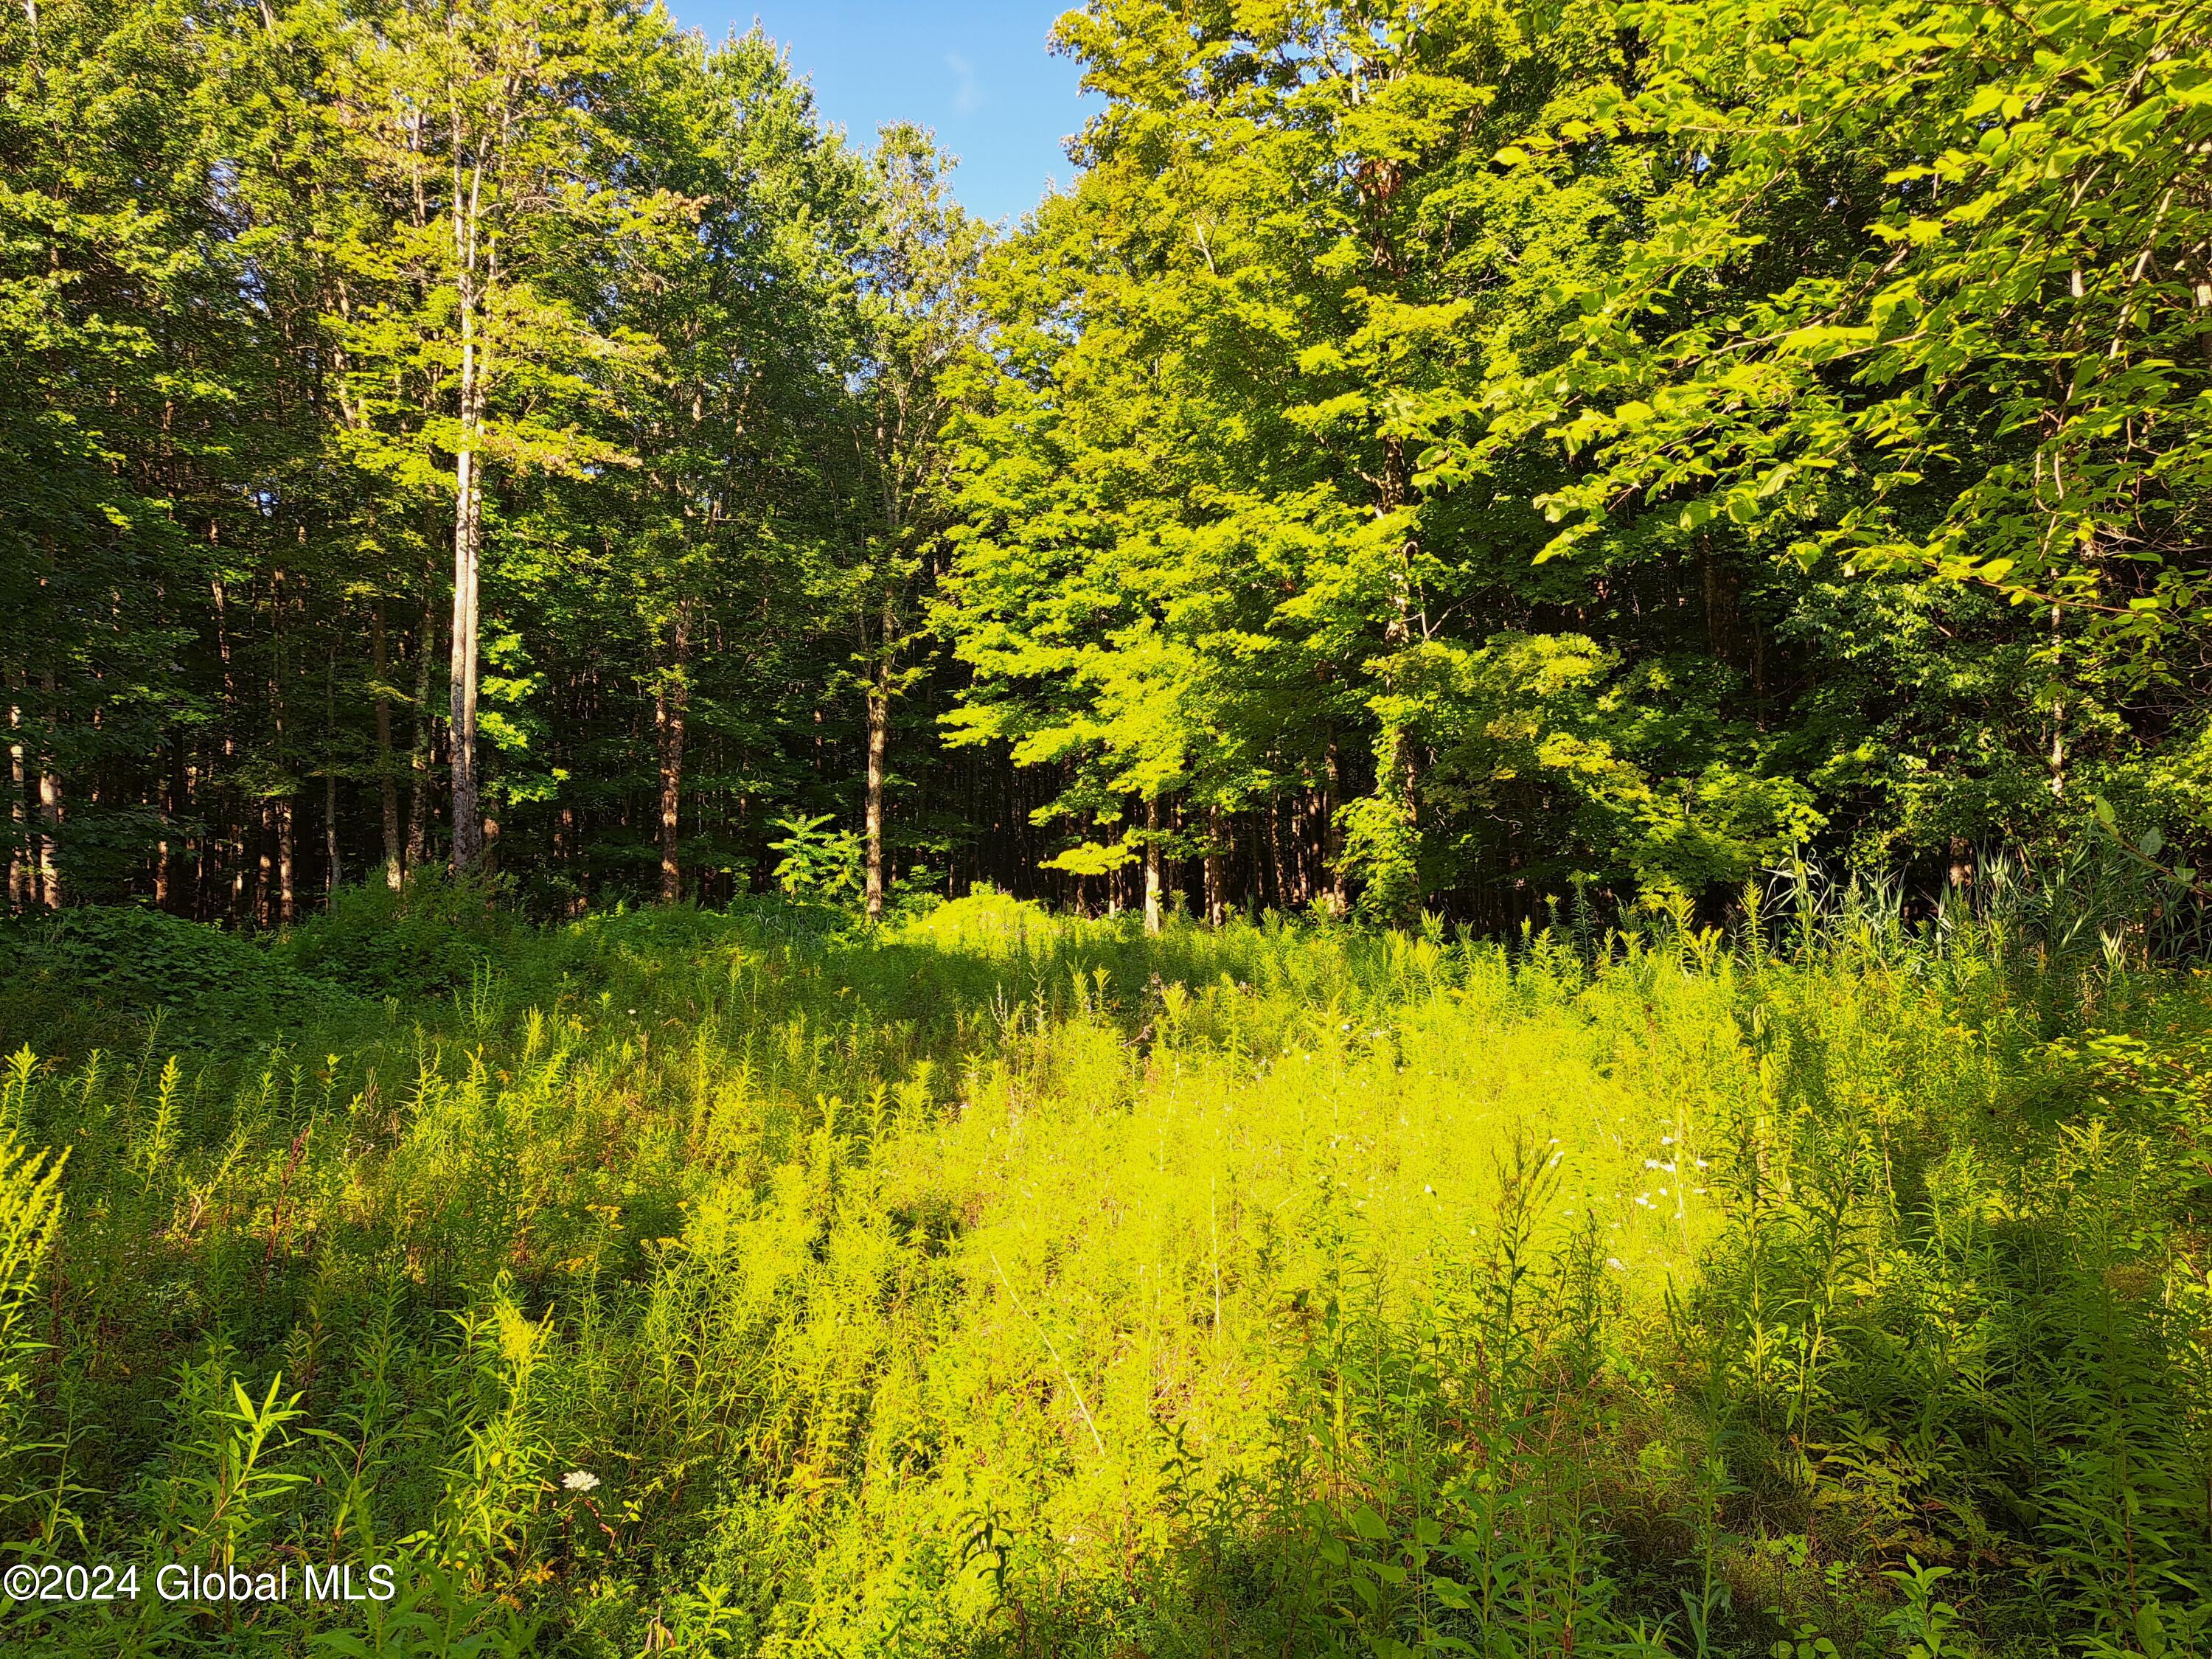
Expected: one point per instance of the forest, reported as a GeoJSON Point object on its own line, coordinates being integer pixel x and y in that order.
{"type": "Point", "coordinates": [1430, 878]}
{"type": "Point", "coordinates": [1434, 455]}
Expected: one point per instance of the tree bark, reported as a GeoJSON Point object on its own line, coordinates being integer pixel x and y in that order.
{"type": "Point", "coordinates": [287, 902]}
{"type": "Point", "coordinates": [879, 745]}
{"type": "Point", "coordinates": [671, 702]}
{"type": "Point", "coordinates": [468, 522]}
{"type": "Point", "coordinates": [21, 892]}
{"type": "Point", "coordinates": [331, 873]}
{"type": "Point", "coordinates": [264, 913]}
{"type": "Point", "coordinates": [418, 803]}
{"type": "Point", "coordinates": [468, 809]}
{"type": "Point", "coordinates": [1217, 900]}
{"type": "Point", "coordinates": [1332, 833]}
{"type": "Point", "coordinates": [387, 779]}
{"type": "Point", "coordinates": [2057, 710]}
{"type": "Point", "coordinates": [1153, 865]}
{"type": "Point", "coordinates": [50, 815]}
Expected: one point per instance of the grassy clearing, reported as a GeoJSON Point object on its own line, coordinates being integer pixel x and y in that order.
{"type": "Point", "coordinates": [1004, 1284]}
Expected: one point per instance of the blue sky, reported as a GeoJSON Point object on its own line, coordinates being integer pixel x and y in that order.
{"type": "Point", "coordinates": [975, 72]}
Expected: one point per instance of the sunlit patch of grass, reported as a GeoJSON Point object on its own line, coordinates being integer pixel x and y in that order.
{"type": "Point", "coordinates": [1006, 1283]}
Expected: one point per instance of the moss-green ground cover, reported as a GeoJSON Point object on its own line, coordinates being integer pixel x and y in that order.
{"type": "Point", "coordinates": [1000, 1283]}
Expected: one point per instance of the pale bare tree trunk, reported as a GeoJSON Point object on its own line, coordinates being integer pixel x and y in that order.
{"type": "Point", "coordinates": [163, 881]}
{"type": "Point", "coordinates": [671, 702]}
{"type": "Point", "coordinates": [1153, 865]}
{"type": "Point", "coordinates": [50, 815]}
{"type": "Point", "coordinates": [468, 811]}
{"type": "Point", "coordinates": [879, 747]}
{"type": "Point", "coordinates": [265, 913]}
{"type": "Point", "coordinates": [22, 893]}
{"type": "Point", "coordinates": [1216, 902]}
{"type": "Point", "coordinates": [1395, 765]}
{"type": "Point", "coordinates": [332, 874]}
{"type": "Point", "coordinates": [286, 806]}
{"type": "Point", "coordinates": [418, 800]}
{"type": "Point", "coordinates": [235, 843]}
{"type": "Point", "coordinates": [387, 781]}
{"type": "Point", "coordinates": [2057, 714]}
{"type": "Point", "coordinates": [1332, 834]}
{"type": "Point", "coordinates": [1275, 861]}
{"type": "Point", "coordinates": [287, 905]}
{"type": "Point", "coordinates": [468, 525]}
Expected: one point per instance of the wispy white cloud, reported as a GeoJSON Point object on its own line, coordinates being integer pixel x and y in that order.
{"type": "Point", "coordinates": [967, 90]}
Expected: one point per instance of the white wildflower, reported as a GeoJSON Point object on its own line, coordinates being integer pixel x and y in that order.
{"type": "Point", "coordinates": [1616, 1264]}
{"type": "Point", "coordinates": [578, 1480]}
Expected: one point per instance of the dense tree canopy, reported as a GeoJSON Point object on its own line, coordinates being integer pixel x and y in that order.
{"type": "Point", "coordinates": [1439, 453]}
{"type": "Point", "coordinates": [1610, 442]}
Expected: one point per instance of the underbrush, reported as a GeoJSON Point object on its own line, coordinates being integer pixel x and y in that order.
{"type": "Point", "coordinates": [1005, 1283]}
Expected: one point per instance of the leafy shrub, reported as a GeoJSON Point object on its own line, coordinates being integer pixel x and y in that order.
{"type": "Point", "coordinates": [424, 940]}
{"type": "Point", "coordinates": [986, 921]}
{"type": "Point", "coordinates": [134, 961]}
{"type": "Point", "coordinates": [818, 860]}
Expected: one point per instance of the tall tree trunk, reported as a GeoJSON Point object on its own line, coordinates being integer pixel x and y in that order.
{"type": "Point", "coordinates": [264, 913]}
{"type": "Point", "coordinates": [1153, 865]}
{"type": "Point", "coordinates": [1277, 881]}
{"type": "Point", "coordinates": [888, 424]}
{"type": "Point", "coordinates": [671, 701]}
{"type": "Point", "coordinates": [418, 801]}
{"type": "Point", "coordinates": [49, 814]}
{"type": "Point", "coordinates": [334, 873]}
{"type": "Point", "coordinates": [21, 893]}
{"type": "Point", "coordinates": [468, 555]}
{"type": "Point", "coordinates": [331, 873]}
{"type": "Point", "coordinates": [286, 804]}
{"type": "Point", "coordinates": [387, 779]}
{"type": "Point", "coordinates": [232, 808]}
{"type": "Point", "coordinates": [1217, 837]}
{"type": "Point", "coordinates": [287, 897]}
{"type": "Point", "coordinates": [1397, 778]}
{"type": "Point", "coordinates": [1332, 833]}
{"type": "Point", "coordinates": [879, 747]}
{"type": "Point", "coordinates": [468, 809]}
{"type": "Point", "coordinates": [2057, 709]}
